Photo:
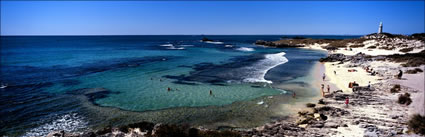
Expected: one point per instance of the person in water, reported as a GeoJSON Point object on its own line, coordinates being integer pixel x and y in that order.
{"type": "Point", "coordinates": [211, 93]}
{"type": "Point", "coordinates": [169, 89]}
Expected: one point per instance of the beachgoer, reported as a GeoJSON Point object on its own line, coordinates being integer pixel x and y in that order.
{"type": "Point", "coordinates": [334, 72]}
{"type": "Point", "coordinates": [324, 76]}
{"type": "Point", "coordinates": [151, 78]}
{"type": "Point", "coordinates": [169, 89]}
{"type": "Point", "coordinates": [329, 89]}
{"type": "Point", "coordinates": [368, 85]}
{"type": "Point", "coordinates": [211, 93]}
{"type": "Point", "coordinates": [346, 102]}
{"type": "Point", "coordinates": [293, 95]}
{"type": "Point", "coordinates": [323, 87]}
{"type": "Point", "coordinates": [400, 74]}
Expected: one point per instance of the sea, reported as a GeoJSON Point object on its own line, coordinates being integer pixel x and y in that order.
{"type": "Point", "coordinates": [82, 83]}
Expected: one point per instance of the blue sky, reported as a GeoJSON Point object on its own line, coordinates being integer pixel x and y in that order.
{"type": "Point", "coordinates": [209, 17]}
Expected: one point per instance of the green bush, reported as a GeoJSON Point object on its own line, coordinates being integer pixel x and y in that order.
{"type": "Point", "coordinates": [417, 124]}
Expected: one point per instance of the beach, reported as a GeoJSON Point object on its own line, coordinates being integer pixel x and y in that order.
{"type": "Point", "coordinates": [372, 109]}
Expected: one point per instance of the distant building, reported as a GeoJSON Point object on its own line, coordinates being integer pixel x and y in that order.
{"type": "Point", "coordinates": [380, 28]}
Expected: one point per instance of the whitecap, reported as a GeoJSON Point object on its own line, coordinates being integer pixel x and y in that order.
{"type": "Point", "coordinates": [179, 48]}
{"type": "Point", "coordinates": [68, 123]}
{"type": "Point", "coordinates": [214, 42]}
{"type": "Point", "coordinates": [258, 70]}
{"type": "Point", "coordinates": [245, 49]}
{"type": "Point", "coordinates": [166, 45]}
{"type": "Point", "coordinates": [186, 45]}
{"type": "Point", "coordinates": [228, 46]}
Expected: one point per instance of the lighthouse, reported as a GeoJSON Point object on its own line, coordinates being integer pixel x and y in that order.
{"type": "Point", "coordinates": [380, 28]}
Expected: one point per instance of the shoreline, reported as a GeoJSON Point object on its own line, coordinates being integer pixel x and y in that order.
{"type": "Point", "coordinates": [371, 111]}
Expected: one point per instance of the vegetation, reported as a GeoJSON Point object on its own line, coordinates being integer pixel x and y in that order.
{"type": "Point", "coordinates": [417, 124]}
{"type": "Point", "coordinates": [406, 49]}
{"type": "Point", "coordinates": [414, 71]}
{"type": "Point", "coordinates": [371, 47]}
{"type": "Point", "coordinates": [404, 99]}
{"type": "Point", "coordinates": [409, 59]}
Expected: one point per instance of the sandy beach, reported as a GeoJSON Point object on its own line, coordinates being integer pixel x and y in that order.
{"type": "Point", "coordinates": [373, 109]}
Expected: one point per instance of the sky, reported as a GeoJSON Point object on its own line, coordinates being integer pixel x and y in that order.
{"type": "Point", "coordinates": [210, 17]}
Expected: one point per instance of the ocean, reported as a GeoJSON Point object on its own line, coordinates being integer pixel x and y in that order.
{"type": "Point", "coordinates": [78, 83]}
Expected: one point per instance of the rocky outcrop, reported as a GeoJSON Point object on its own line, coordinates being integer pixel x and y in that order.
{"type": "Point", "coordinates": [276, 44]}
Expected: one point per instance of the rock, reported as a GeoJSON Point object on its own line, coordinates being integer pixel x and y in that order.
{"type": "Point", "coordinates": [56, 134]}
{"type": "Point", "coordinates": [317, 125]}
{"type": "Point", "coordinates": [321, 102]}
{"type": "Point", "coordinates": [304, 120]}
{"type": "Point", "coordinates": [323, 117]}
{"type": "Point", "coordinates": [331, 125]}
{"type": "Point", "coordinates": [302, 125]}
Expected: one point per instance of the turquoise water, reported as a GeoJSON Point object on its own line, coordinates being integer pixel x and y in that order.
{"type": "Point", "coordinates": [46, 77]}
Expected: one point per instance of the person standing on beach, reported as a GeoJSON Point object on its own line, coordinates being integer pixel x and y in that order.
{"type": "Point", "coordinates": [334, 72]}
{"type": "Point", "coordinates": [293, 95]}
{"type": "Point", "coordinates": [346, 102]}
{"type": "Point", "coordinates": [368, 85]}
{"type": "Point", "coordinates": [324, 76]}
{"type": "Point", "coordinates": [329, 89]}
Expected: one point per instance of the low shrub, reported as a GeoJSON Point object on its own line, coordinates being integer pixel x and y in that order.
{"type": "Point", "coordinates": [417, 124]}
{"type": "Point", "coordinates": [414, 71]}
{"type": "Point", "coordinates": [371, 47]}
{"type": "Point", "coordinates": [404, 99]}
{"type": "Point", "coordinates": [406, 50]}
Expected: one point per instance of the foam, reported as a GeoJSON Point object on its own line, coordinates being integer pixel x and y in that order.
{"type": "Point", "coordinates": [228, 46]}
{"type": "Point", "coordinates": [214, 42]}
{"type": "Point", "coordinates": [167, 45]}
{"type": "Point", "coordinates": [68, 123]}
{"type": "Point", "coordinates": [245, 49]}
{"type": "Point", "coordinates": [179, 48]}
{"type": "Point", "coordinates": [259, 69]}
{"type": "Point", "coordinates": [186, 45]}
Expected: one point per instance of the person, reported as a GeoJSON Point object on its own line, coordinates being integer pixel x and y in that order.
{"type": "Point", "coordinates": [400, 74]}
{"type": "Point", "coordinates": [368, 85]}
{"type": "Point", "coordinates": [211, 93]}
{"type": "Point", "coordinates": [334, 72]}
{"type": "Point", "coordinates": [323, 87]}
{"type": "Point", "coordinates": [324, 76]}
{"type": "Point", "coordinates": [169, 89]}
{"type": "Point", "coordinates": [293, 94]}
{"type": "Point", "coordinates": [346, 102]}
{"type": "Point", "coordinates": [329, 89]}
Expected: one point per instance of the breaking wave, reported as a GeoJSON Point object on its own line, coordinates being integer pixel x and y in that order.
{"type": "Point", "coordinates": [258, 71]}
{"type": "Point", "coordinates": [68, 123]}
{"type": "Point", "coordinates": [245, 49]}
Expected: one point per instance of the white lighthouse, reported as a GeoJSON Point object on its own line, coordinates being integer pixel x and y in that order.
{"type": "Point", "coordinates": [380, 28]}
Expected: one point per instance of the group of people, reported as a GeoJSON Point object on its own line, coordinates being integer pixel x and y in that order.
{"type": "Point", "coordinates": [370, 71]}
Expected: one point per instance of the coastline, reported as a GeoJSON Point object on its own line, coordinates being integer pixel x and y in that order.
{"type": "Point", "coordinates": [373, 111]}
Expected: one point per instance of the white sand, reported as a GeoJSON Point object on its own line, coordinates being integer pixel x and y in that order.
{"type": "Point", "coordinates": [343, 77]}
